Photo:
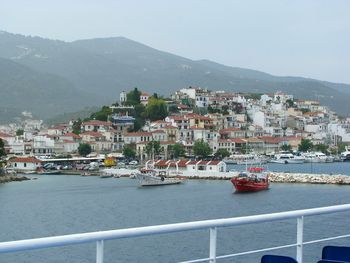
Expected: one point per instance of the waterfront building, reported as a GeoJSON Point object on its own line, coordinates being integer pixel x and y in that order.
{"type": "Point", "coordinates": [22, 164]}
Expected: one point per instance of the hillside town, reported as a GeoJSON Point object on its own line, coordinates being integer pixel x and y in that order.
{"type": "Point", "coordinates": [228, 122]}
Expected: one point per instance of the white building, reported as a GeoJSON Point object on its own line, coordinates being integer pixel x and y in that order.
{"type": "Point", "coordinates": [25, 164]}
{"type": "Point", "coordinates": [122, 97]}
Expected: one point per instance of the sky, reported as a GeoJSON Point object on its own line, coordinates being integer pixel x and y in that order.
{"type": "Point", "coordinates": [308, 38]}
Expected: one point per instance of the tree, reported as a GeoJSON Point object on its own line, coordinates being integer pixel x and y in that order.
{"type": "Point", "coordinates": [77, 126]}
{"type": "Point", "coordinates": [176, 150]}
{"type": "Point", "coordinates": [156, 109]}
{"type": "Point", "coordinates": [201, 149]}
{"type": "Point", "coordinates": [290, 103]}
{"type": "Point", "coordinates": [153, 148]}
{"type": "Point", "coordinates": [84, 149]}
{"type": "Point", "coordinates": [19, 132]}
{"type": "Point", "coordinates": [321, 148]}
{"type": "Point", "coordinates": [103, 114]}
{"type": "Point", "coordinates": [129, 152]}
{"type": "Point", "coordinates": [305, 145]}
{"type": "Point", "coordinates": [222, 153]}
{"type": "Point", "coordinates": [2, 148]}
{"type": "Point", "coordinates": [286, 147]}
{"type": "Point", "coordinates": [133, 97]}
{"type": "Point", "coordinates": [341, 147]}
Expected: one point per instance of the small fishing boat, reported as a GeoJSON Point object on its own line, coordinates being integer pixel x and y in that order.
{"type": "Point", "coordinates": [106, 175]}
{"type": "Point", "coordinates": [49, 172]}
{"type": "Point", "coordinates": [150, 177]}
{"type": "Point", "coordinates": [252, 180]}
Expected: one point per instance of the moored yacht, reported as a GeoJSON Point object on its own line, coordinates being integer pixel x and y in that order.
{"type": "Point", "coordinates": [316, 157]}
{"type": "Point", "coordinates": [287, 158]}
{"type": "Point", "coordinates": [345, 156]}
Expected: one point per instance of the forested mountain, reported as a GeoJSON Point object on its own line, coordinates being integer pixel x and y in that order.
{"type": "Point", "coordinates": [93, 72]}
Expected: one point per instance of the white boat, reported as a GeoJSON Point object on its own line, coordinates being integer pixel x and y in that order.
{"type": "Point", "coordinates": [106, 175]}
{"type": "Point", "coordinates": [229, 160]}
{"type": "Point", "coordinates": [287, 158]}
{"type": "Point", "coordinates": [345, 156]}
{"type": "Point", "coordinates": [150, 177]}
{"type": "Point", "coordinates": [249, 159]}
{"type": "Point", "coordinates": [316, 157]}
{"type": "Point", "coordinates": [119, 172]}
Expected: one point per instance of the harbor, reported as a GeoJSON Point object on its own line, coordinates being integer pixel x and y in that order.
{"type": "Point", "coordinates": [308, 173]}
{"type": "Point", "coordinates": [63, 204]}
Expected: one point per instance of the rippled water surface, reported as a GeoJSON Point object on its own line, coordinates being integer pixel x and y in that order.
{"type": "Point", "coordinates": [59, 204]}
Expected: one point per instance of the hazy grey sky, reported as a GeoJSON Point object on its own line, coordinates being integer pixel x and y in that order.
{"type": "Point", "coordinates": [309, 38]}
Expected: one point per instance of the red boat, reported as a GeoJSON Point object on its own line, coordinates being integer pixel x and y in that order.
{"type": "Point", "coordinates": [254, 179]}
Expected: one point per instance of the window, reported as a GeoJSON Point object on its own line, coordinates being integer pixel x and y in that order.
{"type": "Point", "coordinates": [25, 164]}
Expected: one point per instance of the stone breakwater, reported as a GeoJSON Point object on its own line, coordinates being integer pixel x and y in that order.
{"type": "Point", "coordinates": [12, 178]}
{"type": "Point", "coordinates": [277, 177]}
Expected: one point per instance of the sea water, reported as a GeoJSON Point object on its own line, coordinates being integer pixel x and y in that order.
{"type": "Point", "coordinates": [61, 204]}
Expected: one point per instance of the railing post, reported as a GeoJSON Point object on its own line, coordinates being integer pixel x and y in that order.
{"type": "Point", "coordinates": [99, 251]}
{"type": "Point", "coordinates": [212, 246]}
{"type": "Point", "coordinates": [300, 229]}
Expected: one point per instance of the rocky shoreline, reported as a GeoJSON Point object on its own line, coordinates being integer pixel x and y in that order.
{"type": "Point", "coordinates": [12, 178]}
{"type": "Point", "coordinates": [304, 178]}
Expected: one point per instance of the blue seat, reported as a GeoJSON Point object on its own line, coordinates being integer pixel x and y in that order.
{"type": "Point", "coordinates": [336, 253]}
{"type": "Point", "coordinates": [277, 259]}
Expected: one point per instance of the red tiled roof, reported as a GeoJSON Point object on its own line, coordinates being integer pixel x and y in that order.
{"type": "Point", "coordinates": [97, 123]}
{"type": "Point", "coordinates": [68, 141]}
{"type": "Point", "coordinates": [161, 163]}
{"type": "Point", "coordinates": [230, 129]}
{"type": "Point", "coordinates": [136, 134]}
{"type": "Point", "coordinates": [159, 121]}
{"type": "Point", "coordinates": [2, 134]}
{"type": "Point", "coordinates": [158, 131]}
{"type": "Point", "coordinates": [170, 127]}
{"type": "Point", "coordinates": [196, 128]}
{"type": "Point", "coordinates": [182, 163]}
{"type": "Point", "coordinates": [214, 162]}
{"type": "Point", "coordinates": [197, 116]}
{"type": "Point", "coordinates": [73, 135]}
{"type": "Point", "coordinates": [235, 140]}
{"type": "Point", "coordinates": [276, 140]}
{"type": "Point", "coordinates": [92, 133]}
{"type": "Point", "coordinates": [177, 118]}
{"type": "Point", "coordinates": [25, 160]}
{"type": "Point", "coordinates": [166, 142]}
{"type": "Point", "coordinates": [58, 127]}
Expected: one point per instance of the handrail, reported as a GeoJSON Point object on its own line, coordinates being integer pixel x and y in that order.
{"type": "Point", "coordinates": [46, 242]}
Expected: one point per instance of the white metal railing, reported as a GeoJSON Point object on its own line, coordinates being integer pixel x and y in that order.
{"type": "Point", "coordinates": [212, 225]}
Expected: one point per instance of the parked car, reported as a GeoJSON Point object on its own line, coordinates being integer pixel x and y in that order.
{"type": "Point", "coordinates": [134, 162]}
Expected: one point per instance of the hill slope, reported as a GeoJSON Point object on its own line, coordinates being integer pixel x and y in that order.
{"type": "Point", "coordinates": [106, 66]}
{"type": "Point", "coordinates": [24, 89]}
